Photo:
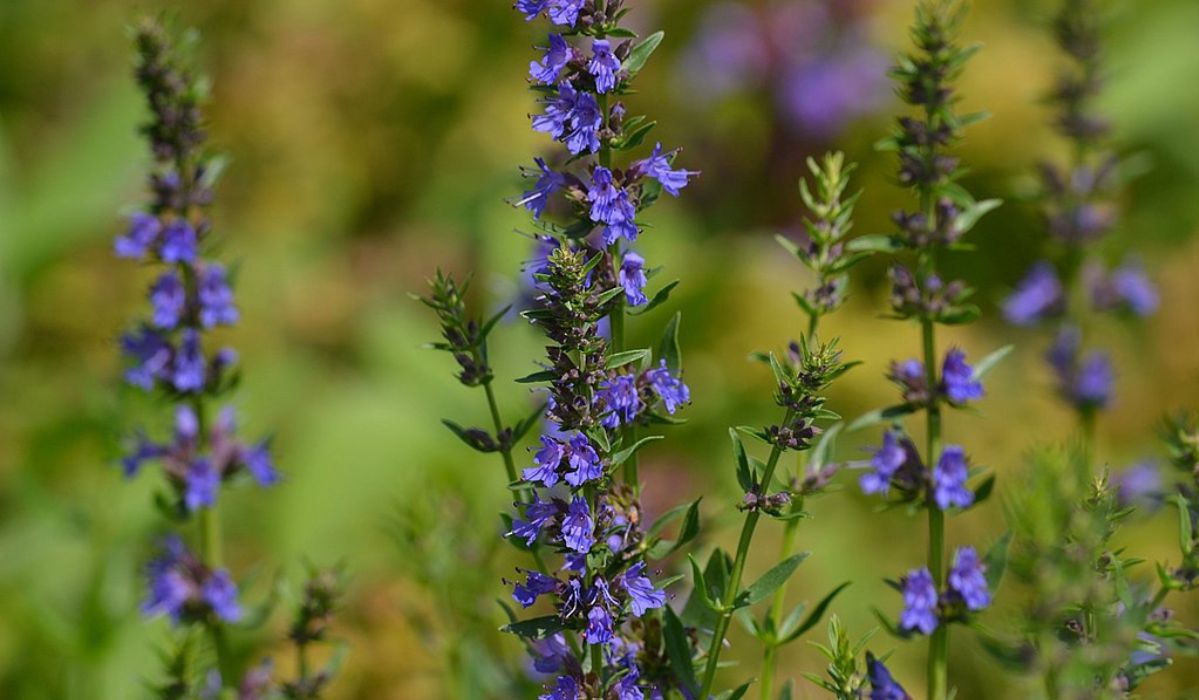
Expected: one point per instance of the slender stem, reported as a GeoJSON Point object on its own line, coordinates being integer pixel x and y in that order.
{"type": "Point", "coordinates": [938, 645]}
{"type": "Point", "coordinates": [734, 582]}
{"type": "Point", "coordinates": [505, 450]}
{"type": "Point", "coordinates": [302, 661]}
{"type": "Point", "coordinates": [790, 532]}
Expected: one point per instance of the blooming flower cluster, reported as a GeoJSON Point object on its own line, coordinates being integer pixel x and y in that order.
{"type": "Point", "coordinates": [1079, 211]}
{"type": "Point", "coordinates": [168, 353]}
{"type": "Point", "coordinates": [966, 590]}
{"type": "Point", "coordinates": [184, 589]}
{"type": "Point", "coordinates": [584, 70]}
{"type": "Point", "coordinates": [574, 502]}
{"type": "Point", "coordinates": [938, 479]}
{"type": "Point", "coordinates": [815, 60]}
{"type": "Point", "coordinates": [603, 583]}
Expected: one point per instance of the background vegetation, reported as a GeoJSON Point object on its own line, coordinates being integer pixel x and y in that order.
{"type": "Point", "coordinates": [373, 140]}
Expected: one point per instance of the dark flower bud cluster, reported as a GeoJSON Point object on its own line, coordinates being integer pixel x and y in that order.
{"type": "Point", "coordinates": [1181, 436]}
{"type": "Point", "coordinates": [313, 616]}
{"type": "Point", "coordinates": [929, 297]}
{"type": "Point", "coordinates": [463, 336]}
{"type": "Point", "coordinates": [823, 246]}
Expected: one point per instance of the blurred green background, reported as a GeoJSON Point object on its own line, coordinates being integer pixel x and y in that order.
{"type": "Point", "coordinates": [374, 140]}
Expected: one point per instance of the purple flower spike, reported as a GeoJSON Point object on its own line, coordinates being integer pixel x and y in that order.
{"type": "Point", "coordinates": [885, 462]}
{"type": "Point", "coordinates": [169, 299]}
{"type": "Point", "coordinates": [658, 167]}
{"type": "Point", "coordinates": [882, 685]}
{"type": "Point", "coordinates": [642, 594]}
{"type": "Point", "coordinates": [220, 593]}
{"type": "Point", "coordinates": [1038, 296]}
{"type": "Point", "coordinates": [957, 379]}
{"type": "Point", "coordinates": [557, 55]}
{"type": "Point", "coordinates": [143, 232]}
{"type": "Point", "coordinates": [578, 529]}
{"type": "Point", "coordinates": [669, 388]}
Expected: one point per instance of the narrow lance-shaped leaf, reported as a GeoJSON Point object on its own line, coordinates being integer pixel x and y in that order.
{"type": "Point", "coordinates": [640, 53]}
{"type": "Point", "coordinates": [771, 580]}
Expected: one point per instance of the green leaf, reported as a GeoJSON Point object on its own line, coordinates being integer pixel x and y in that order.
{"type": "Point", "coordinates": [668, 346]}
{"type": "Point", "coordinates": [678, 651]}
{"type": "Point", "coordinates": [983, 492]}
{"type": "Point", "coordinates": [881, 415]}
{"type": "Point", "coordinates": [1186, 540]}
{"type": "Point", "coordinates": [687, 532]}
{"type": "Point", "coordinates": [995, 561]}
{"type": "Point", "coordinates": [621, 33]}
{"type": "Point", "coordinates": [522, 428]}
{"type": "Point", "coordinates": [770, 581]}
{"type": "Point", "coordinates": [788, 690]}
{"type": "Point", "coordinates": [813, 617]}
{"type": "Point", "coordinates": [818, 457]}
{"type": "Point", "coordinates": [544, 375]}
{"type": "Point", "coordinates": [960, 315]}
{"type": "Point", "coordinates": [620, 359]}
{"type": "Point", "coordinates": [745, 474]}
{"type": "Point", "coordinates": [968, 218]}
{"type": "Point", "coordinates": [536, 628]}
{"type": "Point", "coordinates": [475, 438]}
{"type": "Point", "coordinates": [490, 324]}
{"type": "Point", "coordinates": [697, 612]}
{"type": "Point", "coordinates": [659, 299]}
{"type": "Point", "coordinates": [623, 456]}
{"type": "Point", "coordinates": [875, 243]}
{"type": "Point", "coordinates": [635, 137]}
{"type": "Point", "coordinates": [641, 53]}
{"type": "Point", "coordinates": [988, 363]}
{"type": "Point", "coordinates": [735, 694]}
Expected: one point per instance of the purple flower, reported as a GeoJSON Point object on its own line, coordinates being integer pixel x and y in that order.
{"type": "Point", "coordinates": [578, 529]}
{"type": "Point", "coordinates": [603, 65]}
{"type": "Point", "coordinates": [188, 375]}
{"type": "Point", "coordinates": [557, 55]}
{"type": "Point", "coordinates": [1038, 296]}
{"type": "Point", "coordinates": [949, 479]}
{"type": "Point", "coordinates": [566, 688]}
{"type": "Point", "coordinates": [169, 299]}
{"type": "Point", "coordinates": [584, 462]}
{"type": "Point", "coordinates": [151, 354]}
{"type": "Point", "coordinates": [882, 685]}
{"type": "Point", "coordinates": [967, 579]}
{"type": "Point", "coordinates": [658, 167]}
{"type": "Point", "coordinates": [531, 8]}
{"type": "Point", "coordinates": [599, 626]}
{"type": "Point", "coordinates": [1092, 385]}
{"type": "Point", "coordinates": [565, 12]}
{"type": "Point", "coordinates": [143, 452]}
{"type": "Point", "coordinates": [585, 121]}
{"type": "Point", "coordinates": [1134, 289]}
{"type": "Point", "coordinates": [536, 585]}
{"type": "Point", "coordinates": [258, 462]}
{"type": "Point", "coordinates": [143, 231]}
{"type": "Point", "coordinates": [670, 389]}
{"type": "Point", "coordinates": [957, 379]}
{"type": "Point", "coordinates": [920, 602]}
{"type": "Point", "coordinates": [886, 461]}
{"type": "Point", "coordinates": [545, 462]}
{"type": "Point", "coordinates": [220, 593]}
{"type": "Point", "coordinates": [549, 654]}
{"type": "Point", "coordinates": [558, 111]}
{"type": "Point", "coordinates": [169, 589]}
{"type": "Point", "coordinates": [620, 399]}
{"type": "Point", "coordinates": [632, 277]}
{"type": "Point", "coordinates": [537, 514]}
{"type": "Point", "coordinates": [911, 379]}
{"type": "Point", "coordinates": [642, 594]}
{"type": "Point", "coordinates": [216, 298]}
{"type": "Point", "coordinates": [548, 182]}
{"type": "Point", "coordinates": [1140, 485]}
{"type": "Point", "coordinates": [201, 484]}
{"type": "Point", "coordinates": [610, 205]}
{"type": "Point", "coordinates": [178, 242]}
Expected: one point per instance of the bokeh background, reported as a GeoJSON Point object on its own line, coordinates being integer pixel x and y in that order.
{"type": "Point", "coordinates": [374, 140]}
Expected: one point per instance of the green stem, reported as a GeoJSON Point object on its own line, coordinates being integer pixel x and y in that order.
{"type": "Point", "coordinates": [790, 533]}
{"type": "Point", "coordinates": [734, 582]}
{"type": "Point", "coordinates": [506, 450]}
{"type": "Point", "coordinates": [938, 645]}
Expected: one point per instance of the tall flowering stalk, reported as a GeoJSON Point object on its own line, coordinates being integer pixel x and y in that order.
{"type": "Point", "coordinates": [609, 634]}
{"type": "Point", "coordinates": [937, 594]}
{"type": "Point", "coordinates": [169, 353]}
{"type": "Point", "coordinates": [1080, 211]}
{"type": "Point", "coordinates": [805, 372]}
